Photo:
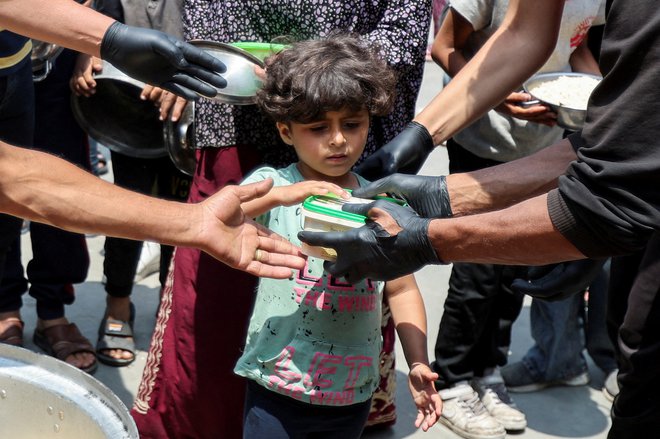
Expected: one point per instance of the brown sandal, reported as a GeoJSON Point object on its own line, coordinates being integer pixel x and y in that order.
{"type": "Point", "coordinates": [60, 341]}
{"type": "Point", "coordinates": [13, 335]}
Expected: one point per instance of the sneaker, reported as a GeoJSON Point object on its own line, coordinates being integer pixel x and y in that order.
{"type": "Point", "coordinates": [149, 261]}
{"type": "Point", "coordinates": [518, 379]}
{"type": "Point", "coordinates": [497, 401]}
{"type": "Point", "coordinates": [465, 415]}
{"type": "Point", "coordinates": [611, 385]}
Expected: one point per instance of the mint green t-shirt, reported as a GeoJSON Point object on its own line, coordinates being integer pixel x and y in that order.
{"type": "Point", "coordinates": [314, 337]}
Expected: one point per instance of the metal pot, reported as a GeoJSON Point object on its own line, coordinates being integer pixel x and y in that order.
{"type": "Point", "coordinates": [43, 56]}
{"type": "Point", "coordinates": [180, 140]}
{"type": "Point", "coordinates": [242, 86]}
{"type": "Point", "coordinates": [42, 397]}
{"type": "Point", "coordinates": [571, 119]}
{"type": "Point", "coordinates": [117, 117]}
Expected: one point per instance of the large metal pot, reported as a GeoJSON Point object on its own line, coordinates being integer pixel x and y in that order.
{"type": "Point", "coordinates": [180, 140]}
{"type": "Point", "coordinates": [42, 397]}
{"type": "Point", "coordinates": [117, 117]}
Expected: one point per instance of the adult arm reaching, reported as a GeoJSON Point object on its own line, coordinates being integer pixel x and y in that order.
{"type": "Point", "coordinates": [145, 54]}
{"type": "Point", "coordinates": [43, 188]}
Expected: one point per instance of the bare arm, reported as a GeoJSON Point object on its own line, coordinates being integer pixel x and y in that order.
{"type": "Point", "coordinates": [582, 60]}
{"type": "Point", "coordinates": [289, 195]}
{"type": "Point", "coordinates": [520, 234]}
{"type": "Point", "coordinates": [519, 48]}
{"type": "Point", "coordinates": [58, 21]}
{"type": "Point", "coordinates": [44, 188]}
{"type": "Point", "coordinates": [509, 183]}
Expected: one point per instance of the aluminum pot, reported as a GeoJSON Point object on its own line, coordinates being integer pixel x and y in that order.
{"type": "Point", "coordinates": [42, 57]}
{"type": "Point", "coordinates": [117, 117]}
{"type": "Point", "coordinates": [180, 140]}
{"type": "Point", "coordinates": [42, 397]}
{"type": "Point", "coordinates": [242, 86]}
{"type": "Point", "coordinates": [571, 119]}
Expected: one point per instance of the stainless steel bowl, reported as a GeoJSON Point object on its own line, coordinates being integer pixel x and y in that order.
{"type": "Point", "coordinates": [242, 81]}
{"type": "Point", "coordinates": [41, 397]}
{"type": "Point", "coordinates": [568, 118]}
{"type": "Point", "coordinates": [180, 140]}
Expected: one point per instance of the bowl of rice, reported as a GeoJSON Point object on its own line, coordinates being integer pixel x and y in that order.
{"type": "Point", "coordinates": [566, 93]}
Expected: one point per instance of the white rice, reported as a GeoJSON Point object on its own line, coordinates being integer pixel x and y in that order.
{"type": "Point", "coordinates": [567, 91]}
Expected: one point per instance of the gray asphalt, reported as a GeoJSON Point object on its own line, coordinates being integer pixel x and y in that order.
{"type": "Point", "coordinates": [581, 412]}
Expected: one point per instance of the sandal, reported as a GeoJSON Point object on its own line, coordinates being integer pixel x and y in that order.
{"type": "Point", "coordinates": [13, 335]}
{"type": "Point", "coordinates": [116, 334]}
{"type": "Point", "coordinates": [60, 341]}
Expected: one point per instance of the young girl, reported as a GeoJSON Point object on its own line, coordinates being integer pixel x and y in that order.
{"type": "Point", "coordinates": [313, 343]}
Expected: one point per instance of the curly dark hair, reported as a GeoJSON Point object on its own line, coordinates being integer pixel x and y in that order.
{"type": "Point", "coordinates": [312, 77]}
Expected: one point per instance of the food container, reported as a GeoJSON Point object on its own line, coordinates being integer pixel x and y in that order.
{"type": "Point", "coordinates": [323, 213]}
{"type": "Point", "coordinates": [570, 115]}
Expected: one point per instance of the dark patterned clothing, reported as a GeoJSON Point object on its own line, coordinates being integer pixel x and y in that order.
{"type": "Point", "coordinates": [399, 27]}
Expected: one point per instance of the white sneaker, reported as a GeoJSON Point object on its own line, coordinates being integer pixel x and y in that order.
{"type": "Point", "coordinates": [611, 386]}
{"type": "Point", "coordinates": [149, 262]}
{"type": "Point", "coordinates": [497, 401]}
{"type": "Point", "coordinates": [465, 415]}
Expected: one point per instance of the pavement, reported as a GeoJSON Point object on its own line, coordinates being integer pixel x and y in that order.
{"type": "Point", "coordinates": [580, 412]}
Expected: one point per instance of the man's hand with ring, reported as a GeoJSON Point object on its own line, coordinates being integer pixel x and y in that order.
{"type": "Point", "coordinates": [392, 243]}
{"type": "Point", "coordinates": [428, 196]}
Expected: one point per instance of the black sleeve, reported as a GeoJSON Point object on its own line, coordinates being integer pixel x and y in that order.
{"type": "Point", "coordinates": [111, 8]}
{"type": "Point", "coordinates": [608, 202]}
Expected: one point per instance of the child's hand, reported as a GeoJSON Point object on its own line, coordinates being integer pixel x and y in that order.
{"type": "Point", "coordinates": [298, 192]}
{"type": "Point", "coordinates": [426, 398]}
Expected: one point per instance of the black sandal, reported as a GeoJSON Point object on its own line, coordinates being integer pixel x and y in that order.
{"type": "Point", "coordinates": [116, 334]}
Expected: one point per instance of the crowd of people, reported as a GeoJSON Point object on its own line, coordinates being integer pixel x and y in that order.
{"type": "Point", "coordinates": [527, 208]}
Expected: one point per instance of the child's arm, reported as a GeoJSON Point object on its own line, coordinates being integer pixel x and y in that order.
{"type": "Point", "coordinates": [290, 195]}
{"type": "Point", "coordinates": [409, 317]}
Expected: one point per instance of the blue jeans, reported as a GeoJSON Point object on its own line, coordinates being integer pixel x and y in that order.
{"type": "Point", "coordinates": [269, 414]}
{"type": "Point", "coordinates": [561, 331]}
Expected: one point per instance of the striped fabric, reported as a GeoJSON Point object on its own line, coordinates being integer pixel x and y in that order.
{"type": "Point", "coordinates": [14, 49]}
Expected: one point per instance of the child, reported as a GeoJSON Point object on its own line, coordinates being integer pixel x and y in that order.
{"type": "Point", "coordinates": [313, 343]}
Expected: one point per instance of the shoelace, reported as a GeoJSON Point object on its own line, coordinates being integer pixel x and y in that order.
{"type": "Point", "coordinates": [495, 398]}
{"type": "Point", "coordinates": [471, 401]}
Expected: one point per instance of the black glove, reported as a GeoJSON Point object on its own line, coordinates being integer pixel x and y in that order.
{"type": "Point", "coordinates": [559, 281]}
{"type": "Point", "coordinates": [370, 251]}
{"type": "Point", "coordinates": [428, 196]}
{"type": "Point", "coordinates": [159, 59]}
{"type": "Point", "coordinates": [405, 153]}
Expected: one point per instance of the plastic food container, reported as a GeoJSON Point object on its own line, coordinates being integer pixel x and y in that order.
{"type": "Point", "coordinates": [322, 213]}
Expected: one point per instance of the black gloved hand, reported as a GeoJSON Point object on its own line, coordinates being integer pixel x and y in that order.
{"type": "Point", "coordinates": [405, 153]}
{"type": "Point", "coordinates": [370, 251]}
{"type": "Point", "coordinates": [559, 281]}
{"type": "Point", "coordinates": [428, 196]}
{"type": "Point", "coordinates": [159, 59]}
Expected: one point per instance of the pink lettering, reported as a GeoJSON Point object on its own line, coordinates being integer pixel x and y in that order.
{"type": "Point", "coordinates": [332, 398]}
{"type": "Point", "coordinates": [355, 365]}
{"type": "Point", "coordinates": [363, 303]}
{"type": "Point", "coordinates": [288, 389]}
{"type": "Point", "coordinates": [321, 365]}
{"type": "Point", "coordinates": [282, 369]}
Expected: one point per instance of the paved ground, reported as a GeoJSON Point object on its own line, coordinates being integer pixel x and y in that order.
{"type": "Point", "coordinates": [554, 413]}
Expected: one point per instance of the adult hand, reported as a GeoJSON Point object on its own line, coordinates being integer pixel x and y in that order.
{"type": "Point", "coordinates": [392, 243]}
{"type": "Point", "coordinates": [405, 153]}
{"type": "Point", "coordinates": [428, 196]}
{"type": "Point", "coordinates": [159, 59]}
{"type": "Point", "coordinates": [226, 234]}
{"type": "Point", "coordinates": [559, 281]}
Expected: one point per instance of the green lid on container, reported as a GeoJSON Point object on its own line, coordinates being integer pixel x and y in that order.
{"type": "Point", "coordinates": [331, 205]}
{"type": "Point", "coordinates": [260, 50]}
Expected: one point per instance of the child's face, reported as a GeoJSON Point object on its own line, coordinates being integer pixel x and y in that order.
{"type": "Point", "coordinates": [329, 147]}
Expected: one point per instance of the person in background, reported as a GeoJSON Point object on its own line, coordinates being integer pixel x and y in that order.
{"type": "Point", "coordinates": [475, 328]}
{"type": "Point", "coordinates": [190, 372]}
{"type": "Point", "coordinates": [115, 345]}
